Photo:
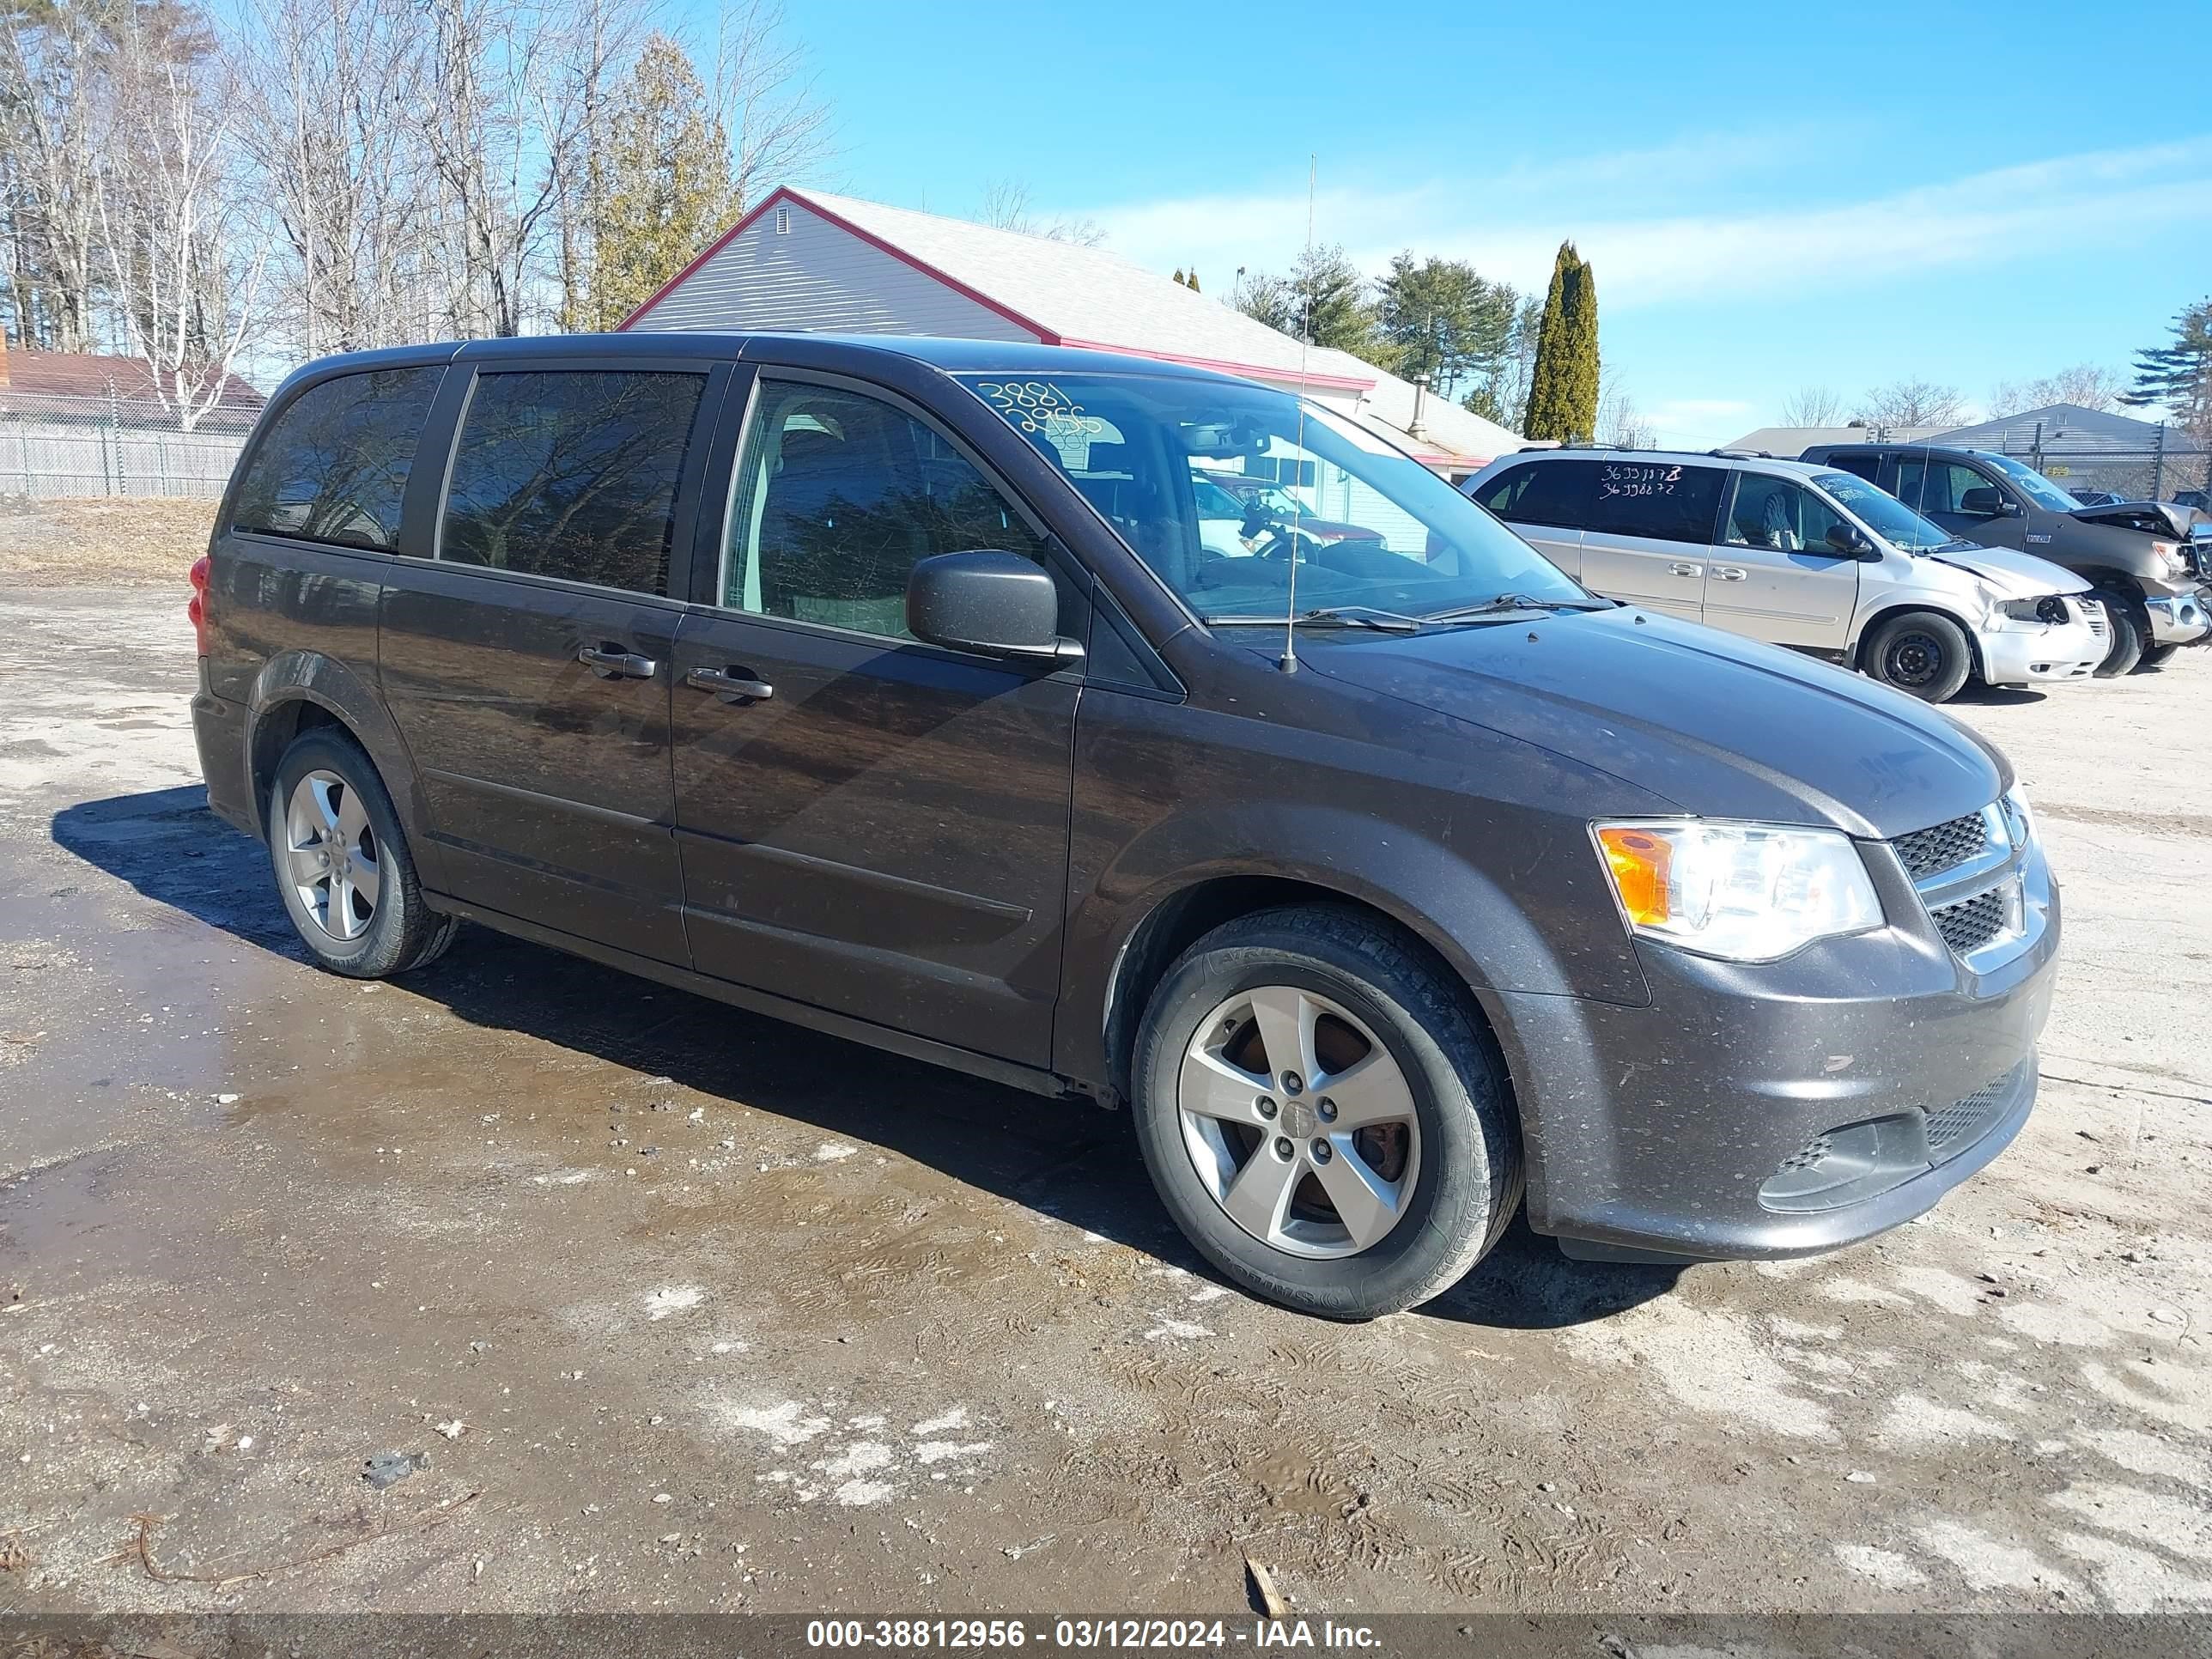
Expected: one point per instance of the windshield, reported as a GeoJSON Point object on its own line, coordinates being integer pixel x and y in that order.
{"type": "Point", "coordinates": [1883, 513]}
{"type": "Point", "coordinates": [1147, 450]}
{"type": "Point", "coordinates": [2032, 485]}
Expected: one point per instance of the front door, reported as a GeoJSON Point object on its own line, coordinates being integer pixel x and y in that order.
{"type": "Point", "coordinates": [1972, 504]}
{"type": "Point", "coordinates": [868, 823]}
{"type": "Point", "coordinates": [528, 666]}
{"type": "Point", "coordinates": [1780, 574]}
{"type": "Point", "coordinates": [1651, 533]}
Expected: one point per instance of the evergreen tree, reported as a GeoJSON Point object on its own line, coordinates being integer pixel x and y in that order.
{"type": "Point", "coordinates": [1328, 295]}
{"type": "Point", "coordinates": [1563, 386]}
{"type": "Point", "coordinates": [1191, 281]}
{"type": "Point", "coordinates": [2178, 378]}
{"type": "Point", "coordinates": [1177, 278]}
{"type": "Point", "coordinates": [1444, 319]}
{"type": "Point", "coordinates": [665, 183]}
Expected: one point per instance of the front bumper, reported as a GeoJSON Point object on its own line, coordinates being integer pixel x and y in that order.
{"type": "Point", "coordinates": [2182, 619]}
{"type": "Point", "coordinates": [2034, 654]}
{"type": "Point", "coordinates": [1726, 1119]}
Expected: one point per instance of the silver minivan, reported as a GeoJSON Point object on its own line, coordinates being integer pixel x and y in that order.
{"type": "Point", "coordinates": [1801, 556]}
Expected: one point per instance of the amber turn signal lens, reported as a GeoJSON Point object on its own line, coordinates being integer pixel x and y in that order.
{"type": "Point", "coordinates": [1641, 864]}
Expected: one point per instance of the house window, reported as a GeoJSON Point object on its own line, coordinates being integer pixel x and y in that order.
{"type": "Point", "coordinates": [783, 221]}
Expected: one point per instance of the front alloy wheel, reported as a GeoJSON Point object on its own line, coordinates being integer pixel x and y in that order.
{"type": "Point", "coordinates": [1298, 1123]}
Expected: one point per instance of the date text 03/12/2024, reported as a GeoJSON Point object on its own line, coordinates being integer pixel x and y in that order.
{"type": "Point", "coordinates": [1086, 1634]}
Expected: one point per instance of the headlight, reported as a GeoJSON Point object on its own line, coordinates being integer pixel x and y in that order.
{"type": "Point", "coordinates": [2050, 609]}
{"type": "Point", "coordinates": [2167, 555]}
{"type": "Point", "coordinates": [1747, 892]}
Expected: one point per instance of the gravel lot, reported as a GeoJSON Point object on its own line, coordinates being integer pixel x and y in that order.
{"type": "Point", "coordinates": [680, 1308]}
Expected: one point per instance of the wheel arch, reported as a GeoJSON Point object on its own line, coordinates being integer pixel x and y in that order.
{"type": "Point", "coordinates": [1890, 609]}
{"type": "Point", "coordinates": [297, 691]}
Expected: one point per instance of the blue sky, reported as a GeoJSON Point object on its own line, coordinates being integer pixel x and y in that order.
{"type": "Point", "coordinates": [1770, 195]}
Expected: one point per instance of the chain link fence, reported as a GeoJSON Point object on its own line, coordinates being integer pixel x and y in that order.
{"type": "Point", "coordinates": [53, 447]}
{"type": "Point", "coordinates": [2156, 474]}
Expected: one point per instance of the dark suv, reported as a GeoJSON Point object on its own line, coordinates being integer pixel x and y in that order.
{"type": "Point", "coordinates": [888, 687]}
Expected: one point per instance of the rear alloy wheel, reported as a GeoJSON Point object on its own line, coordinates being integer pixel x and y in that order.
{"type": "Point", "coordinates": [1322, 1113]}
{"type": "Point", "coordinates": [342, 863]}
{"type": "Point", "coordinates": [1921, 654]}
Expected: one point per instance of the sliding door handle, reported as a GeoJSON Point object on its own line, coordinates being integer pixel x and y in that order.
{"type": "Point", "coordinates": [611, 662]}
{"type": "Point", "coordinates": [1730, 573]}
{"type": "Point", "coordinates": [1687, 569]}
{"type": "Point", "coordinates": [730, 685]}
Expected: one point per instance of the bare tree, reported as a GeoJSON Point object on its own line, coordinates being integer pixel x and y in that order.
{"type": "Point", "coordinates": [182, 270]}
{"type": "Point", "coordinates": [1913, 402]}
{"type": "Point", "coordinates": [2088, 386]}
{"type": "Point", "coordinates": [1617, 422]}
{"type": "Point", "coordinates": [1006, 207]}
{"type": "Point", "coordinates": [52, 61]}
{"type": "Point", "coordinates": [779, 129]}
{"type": "Point", "coordinates": [1813, 405]}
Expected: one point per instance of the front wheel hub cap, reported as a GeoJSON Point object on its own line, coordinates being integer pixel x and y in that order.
{"type": "Point", "coordinates": [1318, 1184]}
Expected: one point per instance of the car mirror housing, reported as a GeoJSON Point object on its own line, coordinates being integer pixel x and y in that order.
{"type": "Point", "coordinates": [1851, 542]}
{"type": "Point", "coordinates": [992, 603]}
{"type": "Point", "coordinates": [1985, 503]}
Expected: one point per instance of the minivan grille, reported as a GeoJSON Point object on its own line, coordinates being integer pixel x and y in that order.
{"type": "Point", "coordinates": [1951, 1128]}
{"type": "Point", "coordinates": [2093, 612]}
{"type": "Point", "coordinates": [1945, 846]}
{"type": "Point", "coordinates": [1971, 923]}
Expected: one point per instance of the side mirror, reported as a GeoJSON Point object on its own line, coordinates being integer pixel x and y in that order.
{"type": "Point", "coordinates": [1850, 541]}
{"type": "Point", "coordinates": [994, 603]}
{"type": "Point", "coordinates": [1985, 503]}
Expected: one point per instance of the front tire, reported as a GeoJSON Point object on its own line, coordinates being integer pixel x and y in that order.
{"type": "Point", "coordinates": [1322, 1115]}
{"type": "Point", "coordinates": [2131, 630]}
{"type": "Point", "coordinates": [2154, 656]}
{"type": "Point", "coordinates": [1920, 654]}
{"type": "Point", "coordinates": [342, 864]}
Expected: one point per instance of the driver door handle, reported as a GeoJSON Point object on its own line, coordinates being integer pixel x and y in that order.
{"type": "Point", "coordinates": [1687, 569]}
{"type": "Point", "coordinates": [731, 685]}
{"type": "Point", "coordinates": [611, 662]}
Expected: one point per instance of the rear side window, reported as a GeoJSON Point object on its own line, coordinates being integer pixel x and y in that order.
{"type": "Point", "coordinates": [1865, 467]}
{"type": "Point", "coordinates": [1540, 492]}
{"type": "Point", "coordinates": [1665, 501]}
{"type": "Point", "coordinates": [572, 474]}
{"type": "Point", "coordinates": [333, 466]}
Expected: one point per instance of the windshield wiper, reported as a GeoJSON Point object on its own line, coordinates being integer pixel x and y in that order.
{"type": "Point", "coordinates": [1351, 615]}
{"type": "Point", "coordinates": [1518, 602]}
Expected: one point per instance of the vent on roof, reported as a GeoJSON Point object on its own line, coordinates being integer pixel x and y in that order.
{"type": "Point", "coordinates": [783, 221]}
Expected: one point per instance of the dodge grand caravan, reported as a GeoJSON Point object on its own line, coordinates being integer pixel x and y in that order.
{"type": "Point", "coordinates": [1804, 557]}
{"type": "Point", "coordinates": [888, 687]}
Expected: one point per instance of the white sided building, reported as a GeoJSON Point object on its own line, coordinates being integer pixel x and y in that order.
{"type": "Point", "coordinates": [808, 262]}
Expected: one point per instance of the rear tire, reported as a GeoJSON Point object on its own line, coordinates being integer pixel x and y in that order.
{"type": "Point", "coordinates": [2130, 628]}
{"type": "Point", "coordinates": [2155, 655]}
{"type": "Point", "coordinates": [1920, 654]}
{"type": "Point", "coordinates": [1387, 1196]}
{"type": "Point", "coordinates": [342, 864]}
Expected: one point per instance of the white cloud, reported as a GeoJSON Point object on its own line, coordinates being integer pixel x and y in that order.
{"type": "Point", "coordinates": [1801, 240]}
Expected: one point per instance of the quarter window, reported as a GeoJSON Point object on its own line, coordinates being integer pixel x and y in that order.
{"type": "Point", "coordinates": [572, 474]}
{"type": "Point", "coordinates": [837, 497]}
{"type": "Point", "coordinates": [1540, 492]}
{"type": "Point", "coordinates": [1774, 513]}
{"type": "Point", "coordinates": [333, 466]}
{"type": "Point", "coordinates": [1665, 501]}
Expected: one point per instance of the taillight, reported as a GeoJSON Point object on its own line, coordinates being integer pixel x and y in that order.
{"type": "Point", "coordinates": [197, 610]}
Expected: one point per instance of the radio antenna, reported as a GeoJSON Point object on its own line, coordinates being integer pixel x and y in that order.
{"type": "Point", "coordinates": [1288, 662]}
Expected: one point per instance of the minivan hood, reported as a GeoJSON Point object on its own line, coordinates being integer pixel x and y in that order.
{"type": "Point", "coordinates": [2016, 575]}
{"type": "Point", "coordinates": [1723, 727]}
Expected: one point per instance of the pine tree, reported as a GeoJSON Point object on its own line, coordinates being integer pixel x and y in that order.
{"type": "Point", "coordinates": [1177, 278]}
{"type": "Point", "coordinates": [1562, 388]}
{"type": "Point", "coordinates": [664, 189]}
{"type": "Point", "coordinates": [1191, 282]}
{"type": "Point", "coordinates": [2178, 378]}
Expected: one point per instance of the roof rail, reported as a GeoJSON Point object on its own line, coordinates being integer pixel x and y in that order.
{"type": "Point", "coordinates": [1744, 454]}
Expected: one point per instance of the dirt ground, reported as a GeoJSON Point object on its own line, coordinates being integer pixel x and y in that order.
{"type": "Point", "coordinates": [112, 541]}
{"type": "Point", "coordinates": [661, 1305]}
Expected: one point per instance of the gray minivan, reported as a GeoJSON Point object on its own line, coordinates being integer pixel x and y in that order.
{"type": "Point", "coordinates": [890, 687]}
{"type": "Point", "coordinates": [1805, 557]}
